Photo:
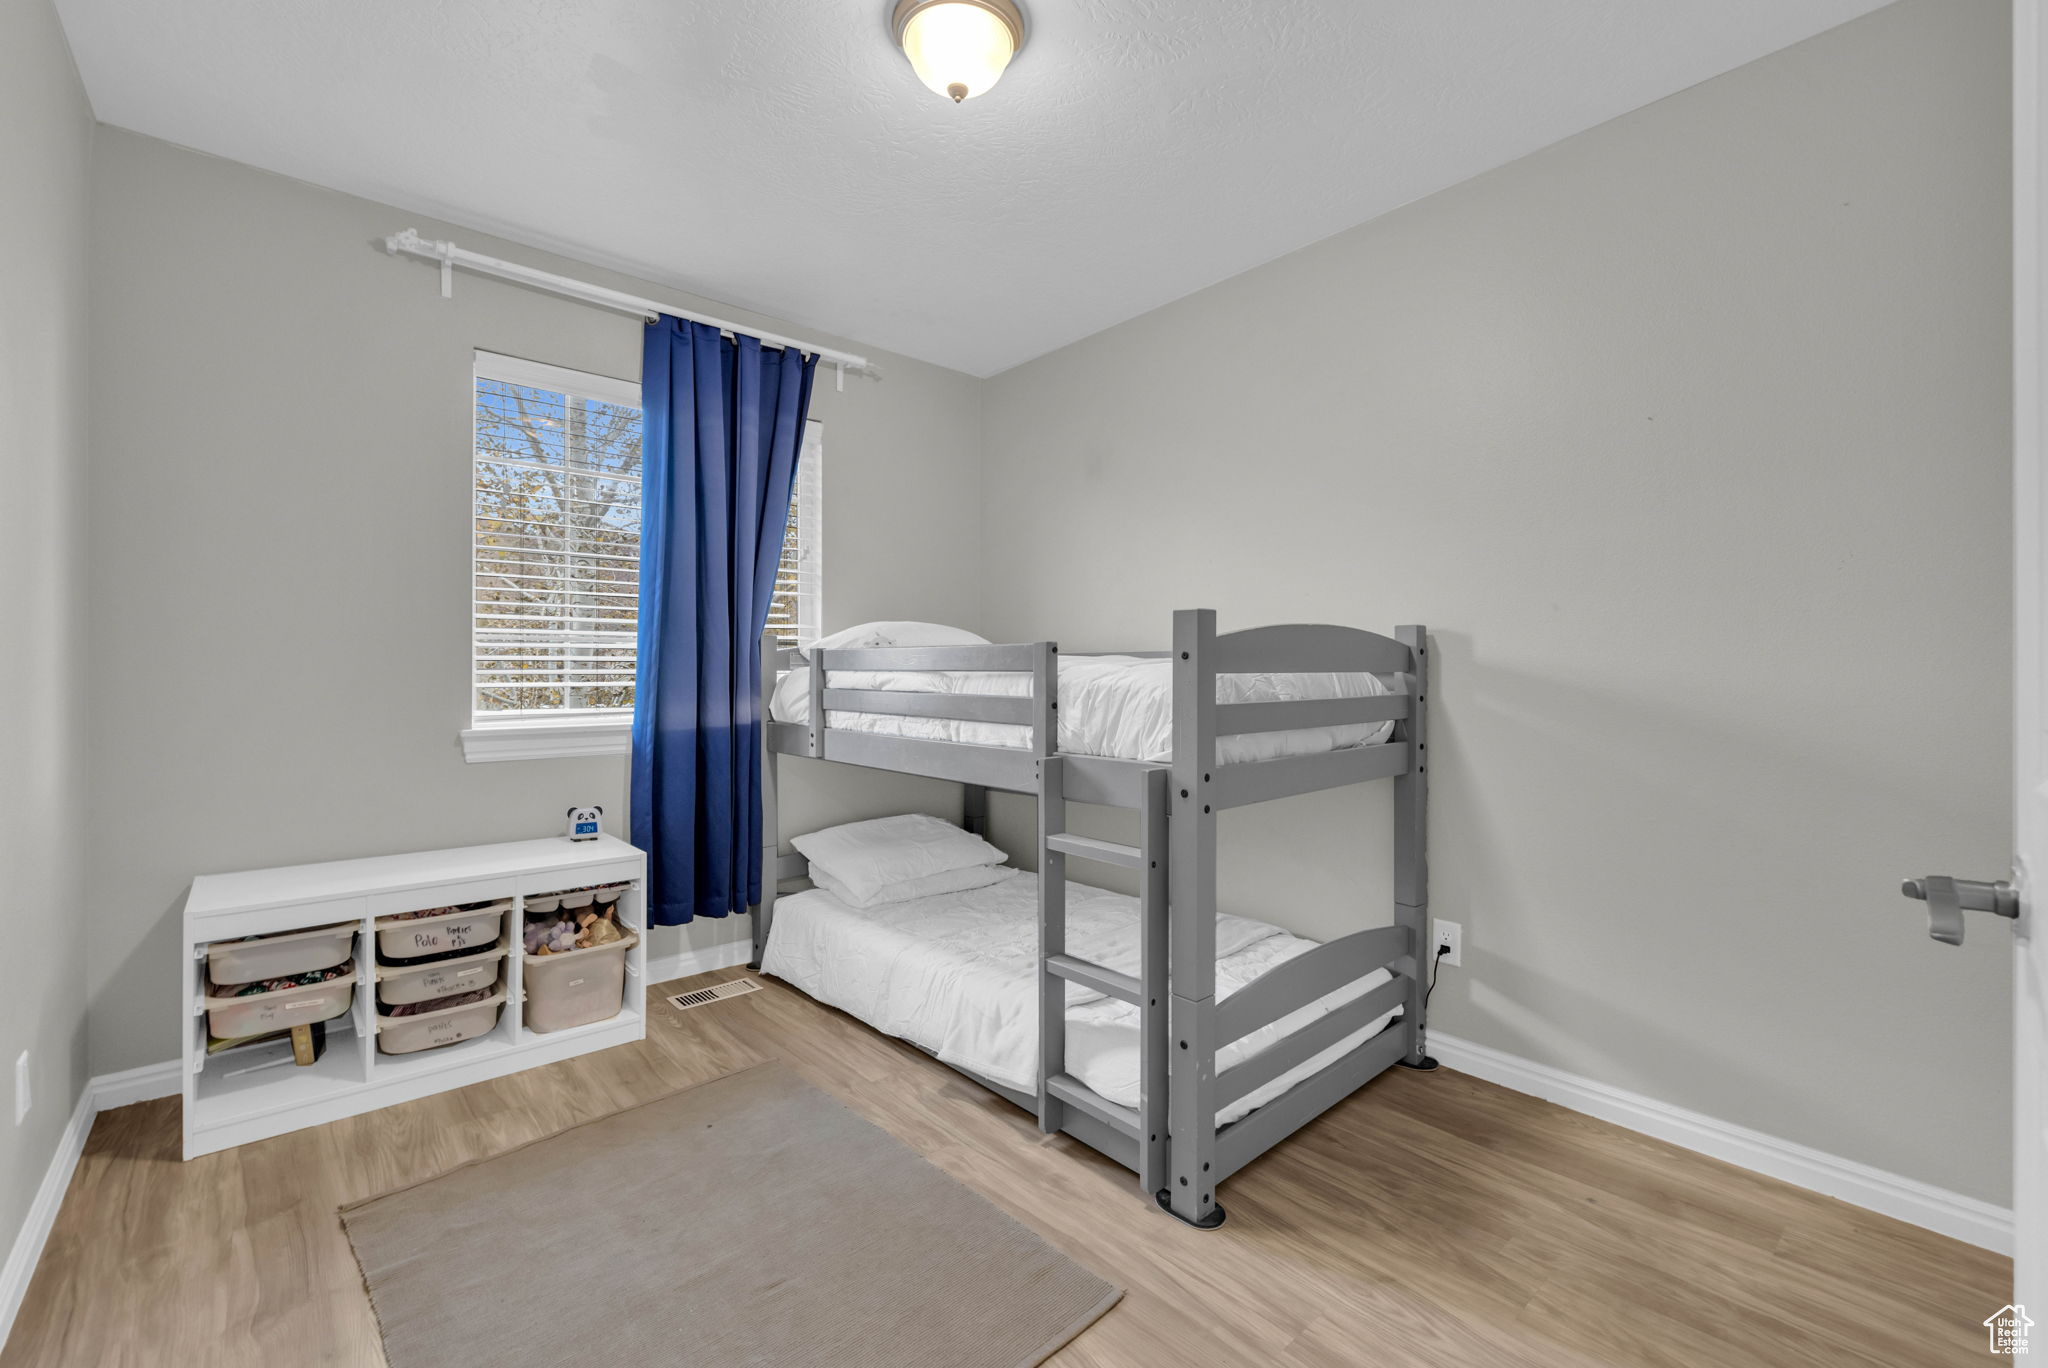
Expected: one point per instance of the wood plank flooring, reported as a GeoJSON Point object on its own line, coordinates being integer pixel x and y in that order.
{"type": "Point", "coordinates": [1431, 1219]}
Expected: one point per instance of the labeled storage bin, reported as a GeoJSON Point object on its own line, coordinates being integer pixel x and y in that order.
{"type": "Point", "coordinates": [398, 985]}
{"type": "Point", "coordinates": [430, 1030]}
{"type": "Point", "coordinates": [458, 928]}
{"type": "Point", "coordinates": [576, 987]}
{"type": "Point", "coordinates": [232, 1017]}
{"type": "Point", "coordinates": [267, 957]}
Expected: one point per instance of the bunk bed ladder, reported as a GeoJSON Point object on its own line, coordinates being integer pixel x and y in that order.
{"type": "Point", "coordinates": [1058, 1090]}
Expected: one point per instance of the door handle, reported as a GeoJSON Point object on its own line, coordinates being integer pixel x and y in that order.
{"type": "Point", "coordinates": [1947, 899]}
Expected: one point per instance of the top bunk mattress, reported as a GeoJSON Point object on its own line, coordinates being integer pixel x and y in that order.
{"type": "Point", "coordinates": [957, 974]}
{"type": "Point", "coordinates": [1112, 705]}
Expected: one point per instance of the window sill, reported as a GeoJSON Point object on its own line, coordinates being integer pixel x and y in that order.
{"type": "Point", "coordinates": [550, 740]}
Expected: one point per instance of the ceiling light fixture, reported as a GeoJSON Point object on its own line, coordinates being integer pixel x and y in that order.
{"type": "Point", "coordinates": [958, 47]}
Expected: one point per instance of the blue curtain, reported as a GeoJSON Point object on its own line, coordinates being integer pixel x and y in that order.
{"type": "Point", "coordinates": [724, 419]}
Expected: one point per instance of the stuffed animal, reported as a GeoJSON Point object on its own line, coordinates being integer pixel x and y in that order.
{"type": "Point", "coordinates": [550, 936]}
{"type": "Point", "coordinates": [598, 930]}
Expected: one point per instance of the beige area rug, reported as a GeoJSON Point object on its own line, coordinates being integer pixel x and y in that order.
{"type": "Point", "coordinates": [750, 1220]}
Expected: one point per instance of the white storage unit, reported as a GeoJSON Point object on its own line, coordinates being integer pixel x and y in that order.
{"type": "Point", "coordinates": [245, 1094]}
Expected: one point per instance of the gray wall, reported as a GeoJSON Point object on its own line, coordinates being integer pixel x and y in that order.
{"type": "Point", "coordinates": [45, 141]}
{"type": "Point", "coordinates": [1689, 437]}
{"type": "Point", "coordinates": [280, 497]}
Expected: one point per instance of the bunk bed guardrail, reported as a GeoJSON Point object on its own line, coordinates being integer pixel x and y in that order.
{"type": "Point", "coordinates": [1001, 767]}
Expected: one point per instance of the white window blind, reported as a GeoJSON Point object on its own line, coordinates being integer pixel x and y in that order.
{"type": "Point", "coordinates": [794, 615]}
{"type": "Point", "coordinates": [557, 542]}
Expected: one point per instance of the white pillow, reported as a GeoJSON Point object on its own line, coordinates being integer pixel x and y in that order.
{"type": "Point", "coordinates": [866, 857]}
{"type": "Point", "coordinates": [874, 634]}
{"type": "Point", "coordinates": [930, 886]}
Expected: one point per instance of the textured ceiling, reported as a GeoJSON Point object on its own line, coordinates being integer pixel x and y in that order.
{"type": "Point", "coordinates": [780, 155]}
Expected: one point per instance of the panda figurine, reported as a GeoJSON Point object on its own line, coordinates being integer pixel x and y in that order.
{"type": "Point", "coordinates": [584, 823]}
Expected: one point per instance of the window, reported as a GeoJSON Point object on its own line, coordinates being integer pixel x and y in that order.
{"type": "Point", "coordinates": [794, 614]}
{"type": "Point", "coordinates": [556, 560]}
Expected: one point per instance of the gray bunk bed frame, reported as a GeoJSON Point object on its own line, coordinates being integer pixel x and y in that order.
{"type": "Point", "coordinates": [1171, 1139]}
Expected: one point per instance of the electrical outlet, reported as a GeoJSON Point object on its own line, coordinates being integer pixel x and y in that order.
{"type": "Point", "coordinates": [1451, 936]}
{"type": "Point", "coordinates": [21, 1097]}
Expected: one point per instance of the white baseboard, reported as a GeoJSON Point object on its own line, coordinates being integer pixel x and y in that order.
{"type": "Point", "coordinates": [1905, 1199]}
{"type": "Point", "coordinates": [145, 1084]}
{"type": "Point", "coordinates": [660, 969]}
{"type": "Point", "coordinates": [102, 1093]}
{"type": "Point", "coordinates": [42, 1212]}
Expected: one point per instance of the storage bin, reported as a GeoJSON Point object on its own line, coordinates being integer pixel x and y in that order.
{"type": "Point", "coordinates": [231, 1018]}
{"type": "Point", "coordinates": [407, 1035]}
{"type": "Point", "coordinates": [443, 978]}
{"type": "Point", "coordinates": [597, 897]}
{"type": "Point", "coordinates": [284, 956]}
{"type": "Point", "coordinates": [576, 987]}
{"type": "Point", "coordinates": [460, 928]}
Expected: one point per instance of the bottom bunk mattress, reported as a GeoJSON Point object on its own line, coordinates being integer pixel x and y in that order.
{"type": "Point", "coordinates": [956, 974]}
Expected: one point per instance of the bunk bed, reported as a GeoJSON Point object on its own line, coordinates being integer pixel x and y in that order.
{"type": "Point", "coordinates": [989, 717]}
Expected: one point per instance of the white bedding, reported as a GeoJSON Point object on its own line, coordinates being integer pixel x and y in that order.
{"type": "Point", "coordinates": [957, 975]}
{"type": "Point", "coordinates": [1119, 706]}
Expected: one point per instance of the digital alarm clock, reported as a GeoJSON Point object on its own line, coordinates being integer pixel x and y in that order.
{"type": "Point", "coordinates": [583, 823]}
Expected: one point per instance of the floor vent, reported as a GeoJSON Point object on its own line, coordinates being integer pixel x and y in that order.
{"type": "Point", "coordinates": [717, 993]}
